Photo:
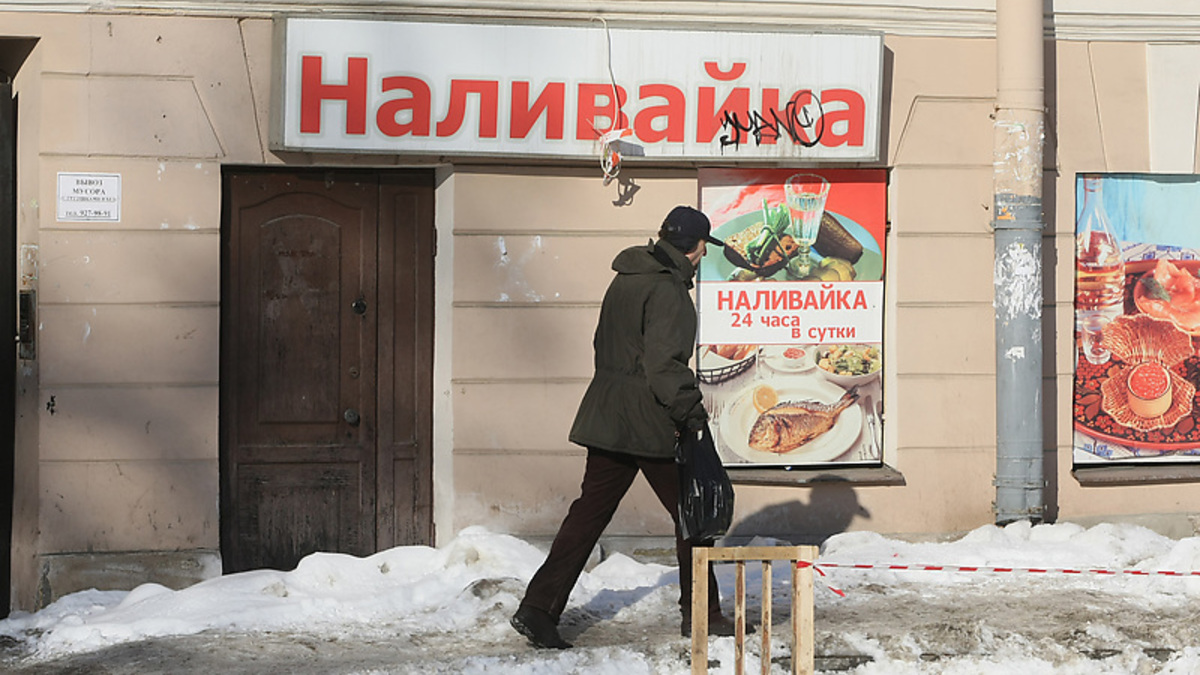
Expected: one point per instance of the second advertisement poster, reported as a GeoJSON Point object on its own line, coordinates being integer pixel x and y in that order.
{"type": "Point", "coordinates": [1137, 319]}
{"type": "Point", "coordinates": [791, 315]}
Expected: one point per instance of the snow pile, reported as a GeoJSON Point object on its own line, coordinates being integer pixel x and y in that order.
{"type": "Point", "coordinates": [449, 607]}
{"type": "Point", "coordinates": [1108, 547]}
{"type": "Point", "coordinates": [1102, 620]}
{"type": "Point", "coordinates": [421, 586]}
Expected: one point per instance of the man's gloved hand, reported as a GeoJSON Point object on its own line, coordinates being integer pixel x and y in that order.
{"type": "Point", "coordinates": [685, 444]}
{"type": "Point", "coordinates": [696, 420]}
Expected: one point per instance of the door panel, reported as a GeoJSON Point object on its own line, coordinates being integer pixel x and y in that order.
{"type": "Point", "coordinates": [298, 287]}
{"type": "Point", "coordinates": [405, 361]}
{"type": "Point", "coordinates": [292, 509]}
{"type": "Point", "coordinates": [299, 294]}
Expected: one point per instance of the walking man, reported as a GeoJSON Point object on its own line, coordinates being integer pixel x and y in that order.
{"type": "Point", "coordinates": [643, 394]}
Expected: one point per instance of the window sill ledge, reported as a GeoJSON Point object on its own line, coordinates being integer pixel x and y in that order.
{"type": "Point", "coordinates": [1136, 474]}
{"type": "Point", "coordinates": [865, 476]}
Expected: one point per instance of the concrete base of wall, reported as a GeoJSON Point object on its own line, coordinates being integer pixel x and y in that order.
{"type": "Point", "coordinates": [661, 549]}
{"type": "Point", "coordinates": [644, 549]}
{"type": "Point", "coordinates": [65, 573]}
{"type": "Point", "coordinates": [1173, 525]}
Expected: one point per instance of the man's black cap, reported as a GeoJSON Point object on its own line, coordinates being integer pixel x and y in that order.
{"type": "Point", "coordinates": [685, 226]}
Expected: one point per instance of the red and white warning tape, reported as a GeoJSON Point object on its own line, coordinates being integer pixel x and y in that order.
{"type": "Point", "coordinates": [981, 568]}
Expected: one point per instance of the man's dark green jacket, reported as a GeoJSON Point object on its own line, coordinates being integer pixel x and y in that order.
{"type": "Point", "coordinates": [644, 388]}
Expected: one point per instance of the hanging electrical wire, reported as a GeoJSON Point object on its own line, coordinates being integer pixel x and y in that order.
{"type": "Point", "coordinates": [610, 155]}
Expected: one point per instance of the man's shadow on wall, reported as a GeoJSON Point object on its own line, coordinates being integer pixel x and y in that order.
{"type": "Point", "coordinates": [830, 509]}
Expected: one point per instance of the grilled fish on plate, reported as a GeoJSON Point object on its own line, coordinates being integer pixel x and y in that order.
{"type": "Point", "coordinates": [791, 424]}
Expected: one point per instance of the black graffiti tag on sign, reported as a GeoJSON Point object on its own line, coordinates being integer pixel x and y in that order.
{"type": "Point", "coordinates": [796, 122]}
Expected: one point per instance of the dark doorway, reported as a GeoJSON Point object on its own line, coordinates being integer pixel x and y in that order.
{"type": "Point", "coordinates": [326, 364]}
{"type": "Point", "coordinates": [8, 315]}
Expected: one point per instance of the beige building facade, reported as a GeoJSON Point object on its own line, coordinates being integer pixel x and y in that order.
{"type": "Point", "coordinates": [121, 452]}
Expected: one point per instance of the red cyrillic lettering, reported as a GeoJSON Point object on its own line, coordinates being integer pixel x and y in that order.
{"type": "Point", "coordinates": [551, 103]}
{"type": "Point", "coordinates": [724, 300]}
{"type": "Point", "coordinates": [844, 126]}
{"type": "Point", "coordinates": [313, 91]}
{"type": "Point", "coordinates": [417, 105]}
{"type": "Point", "coordinates": [762, 298]}
{"type": "Point", "coordinates": [708, 119]}
{"type": "Point", "coordinates": [860, 300]}
{"type": "Point", "coordinates": [742, 302]}
{"type": "Point", "coordinates": [713, 69]}
{"type": "Point", "coordinates": [586, 123]}
{"type": "Point", "coordinates": [805, 124]}
{"type": "Point", "coordinates": [489, 93]}
{"type": "Point", "coordinates": [674, 111]}
{"type": "Point", "coordinates": [828, 298]}
{"type": "Point", "coordinates": [768, 134]}
{"type": "Point", "coordinates": [783, 321]}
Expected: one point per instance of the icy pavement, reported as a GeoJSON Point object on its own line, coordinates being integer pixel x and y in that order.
{"type": "Point", "coordinates": [421, 610]}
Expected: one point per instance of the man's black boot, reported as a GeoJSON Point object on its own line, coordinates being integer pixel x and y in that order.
{"type": "Point", "coordinates": [539, 627]}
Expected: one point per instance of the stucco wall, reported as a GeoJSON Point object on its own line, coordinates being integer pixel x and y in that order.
{"type": "Point", "coordinates": [533, 253]}
{"type": "Point", "coordinates": [1103, 125]}
{"type": "Point", "coordinates": [123, 457]}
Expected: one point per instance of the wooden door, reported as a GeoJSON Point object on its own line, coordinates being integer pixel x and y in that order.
{"type": "Point", "coordinates": [312, 360]}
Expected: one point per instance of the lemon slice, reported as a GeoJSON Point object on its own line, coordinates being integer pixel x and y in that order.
{"type": "Point", "coordinates": [765, 398]}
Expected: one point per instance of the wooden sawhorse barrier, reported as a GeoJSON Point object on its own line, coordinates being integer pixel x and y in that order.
{"type": "Point", "coordinates": [802, 604]}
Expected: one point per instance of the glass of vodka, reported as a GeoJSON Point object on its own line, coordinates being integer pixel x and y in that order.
{"type": "Point", "coordinates": [805, 194]}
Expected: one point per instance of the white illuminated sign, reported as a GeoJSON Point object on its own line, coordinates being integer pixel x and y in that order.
{"type": "Point", "coordinates": [524, 90]}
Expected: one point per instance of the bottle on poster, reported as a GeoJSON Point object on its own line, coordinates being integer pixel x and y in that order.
{"type": "Point", "coordinates": [1099, 272]}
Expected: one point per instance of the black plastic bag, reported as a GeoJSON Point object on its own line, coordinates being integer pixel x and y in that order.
{"type": "Point", "coordinates": [705, 491]}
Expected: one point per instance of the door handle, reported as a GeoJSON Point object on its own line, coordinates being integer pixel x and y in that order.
{"type": "Point", "coordinates": [359, 306]}
{"type": "Point", "coordinates": [351, 416]}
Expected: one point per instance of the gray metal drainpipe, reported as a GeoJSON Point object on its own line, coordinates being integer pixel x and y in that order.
{"type": "Point", "coordinates": [1017, 201]}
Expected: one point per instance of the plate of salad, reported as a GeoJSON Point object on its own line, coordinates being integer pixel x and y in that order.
{"type": "Point", "coordinates": [761, 238]}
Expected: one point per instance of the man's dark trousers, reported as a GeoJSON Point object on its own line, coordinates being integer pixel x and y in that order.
{"type": "Point", "coordinates": [606, 478]}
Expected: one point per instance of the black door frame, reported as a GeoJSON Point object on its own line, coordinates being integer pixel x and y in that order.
{"type": "Point", "coordinates": [8, 316]}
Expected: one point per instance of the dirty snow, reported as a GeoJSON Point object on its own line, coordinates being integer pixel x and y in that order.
{"type": "Point", "coordinates": [424, 610]}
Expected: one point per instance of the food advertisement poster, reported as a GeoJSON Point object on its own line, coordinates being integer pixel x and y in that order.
{"type": "Point", "coordinates": [1137, 318]}
{"type": "Point", "coordinates": [790, 351]}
